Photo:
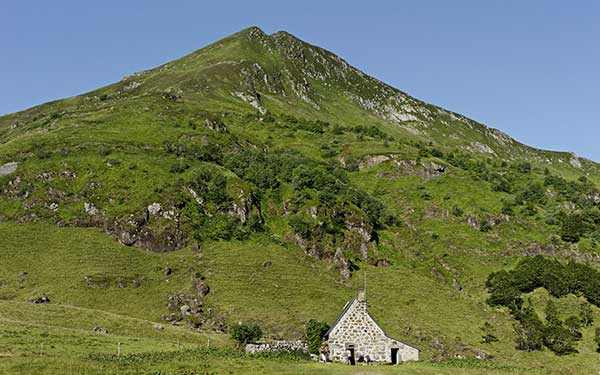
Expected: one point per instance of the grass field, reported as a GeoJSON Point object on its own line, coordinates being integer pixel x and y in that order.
{"type": "Point", "coordinates": [58, 338]}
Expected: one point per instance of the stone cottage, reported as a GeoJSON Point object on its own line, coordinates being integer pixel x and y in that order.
{"type": "Point", "coordinates": [356, 337]}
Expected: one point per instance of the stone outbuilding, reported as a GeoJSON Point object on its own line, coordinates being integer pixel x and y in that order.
{"type": "Point", "coordinates": [356, 337]}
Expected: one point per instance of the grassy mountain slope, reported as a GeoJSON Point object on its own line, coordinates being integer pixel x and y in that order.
{"type": "Point", "coordinates": [259, 179]}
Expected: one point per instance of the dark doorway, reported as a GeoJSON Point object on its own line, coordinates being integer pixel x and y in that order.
{"type": "Point", "coordinates": [394, 356]}
{"type": "Point", "coordinates": [351, 357]}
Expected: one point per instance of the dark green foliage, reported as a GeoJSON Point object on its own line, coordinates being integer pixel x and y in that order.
{"type": "Point", "coordinates": [522, 167]}
{"type": "Point", "coordinates": [352, 164]}
{"type": "Point", "coordinates": [104, 151]}
{"type": "Point", "coordinates": [559, 279]}
{"type": "Point", "coordinates": [573, 324]}
{"type": "Point", "coordinates": [529, 330]}
{"type": "Point", "coordinates": [504, 290]}
{"type": "Point", "coordinates": [315, 333]}
{"type": "Point", "coordinates": [369, 131]}
{"type": "Point", "coordinates": [533, 193]}
{"type": "Point", "coordinates": [586, 316]}
{"type": "Point", "coordinates": [316, 126]}
{"type": "Point", "coordinates": [507, 208]}
{"type": "Point", "coordinates": [457, 211]}
{"type": "Point", "coordinates": [209, 152]}
{"type": "Point", "coordinates": [211, 185]}
{"type": "Point", "coordinates": [559, 339]}
{"type": "Point", "coordinates": [551, 312]}
{"type": "Point", "coordinates": [597, 339]}
{"type": "Point", "coordinates": [40, 151]}
{"type": "Point", "coordinates": [246, 333]}
{"type": "Point", "coordinates": [485, 226]}
{"type": "Point", "coordinates": [299, 226]}
{"type": "Point", "coordinates": [501, 184]}
{"type": "Point", "coordinates": [262, 169]}
{"type": "Point", "coordinates": [179, 166]}
{"type": "Point", "coordinates": [572, 228]}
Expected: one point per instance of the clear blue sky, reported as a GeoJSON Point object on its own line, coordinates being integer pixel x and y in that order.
{"type": "Point", "coordinates": [530, 68]}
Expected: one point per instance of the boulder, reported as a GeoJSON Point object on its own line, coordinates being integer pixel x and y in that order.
{"type": "Point", "coordinates": [100, 331]}
{"type": "Point", "coordinates": [8, 168]}
{"type": "Point", "coordinates": [41, 300]}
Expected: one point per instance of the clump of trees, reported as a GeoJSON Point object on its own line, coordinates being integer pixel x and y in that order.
{"type": "Point", "coordinates": [559, 279]}
{"type": "Point", "coordinates": [246, 333]}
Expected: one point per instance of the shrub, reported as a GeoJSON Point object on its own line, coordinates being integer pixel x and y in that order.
{"type": "Point", "coordinates": [485, 226]}
{"type": "Point", "coordinates": [179, 167]}
{"type": "Point", "coordinates": [529, 331]}
{"type": "Point", "coordinates": [489, 333]}
{"type": "Point", "coordinates": [586, 314]}
{"type": "Point", "coordinates": [246, 333]}
{"type": "Point", "coordinates": [315, 333]}
{"type": "Point", "coordinates": [457, 211]}
{"type": "Point", "coordinates": [572, 228]}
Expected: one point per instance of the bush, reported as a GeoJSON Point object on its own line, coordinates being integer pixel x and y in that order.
{"type": "Point", "coordinates": [586, 314]}
{"type": "Point", "coordinates": [572, 228]}
{"type": "Point", "coordinates": [246, 333]}
{"type": "Point", "coordinates": [489, 333]}
{"type": "Point", "coordinates": [315, 333]}
{"type": "Point", "coordinates": [485, 226]}
{"type": "Point", "coordinates": [457, 211]}
{"type": "Point", "coordinates": [179, 167]}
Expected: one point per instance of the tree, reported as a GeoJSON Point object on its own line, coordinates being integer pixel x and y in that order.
{"type": "Point", "coordinates": [315, 333]}
{"type": "Point", "coordinates": [558, 339]}
{"type": "Point", "coordinates": [597, 339]}
{"type": "Point", "coordinates": [246, 333]}
{"type": "Point", "coordinates": [573, 324]}
{"type": "Point", "coordinates": [552, 313]}
{"type": "Point", "coordinates": [489, 333]}
{"type": "Point", "coordinates": [586, 314]}
{"type": "Point", "coordinates": [572, 228]}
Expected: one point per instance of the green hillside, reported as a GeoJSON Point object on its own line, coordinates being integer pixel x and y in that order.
{"type": "Point", "coordinates": [263, 179]}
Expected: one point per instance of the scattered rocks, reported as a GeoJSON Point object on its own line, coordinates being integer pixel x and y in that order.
{"type": "Point", "coordinates": [154, 209]}
{"type": "Point", "coordinates": [158, 326]}
{"type": "Point", "coordinates": [100, 331]}
{"type": "Point", "coordinates": [170, 96]}
{"type": "Point", "coordinates": [253, 100]}
{"type": "Point", "coordinates": [216, 125]}
{"type": "Point", "coordinates": [267, 264]}
{"type": "Point", "coordinates": [90, 209]}
{"type": "Point", "coordinates": [480, 148]}
{"type": "Point", "coordinates": [112, 281]}
{"type": "Point", "coordinates": [199, 284]}
{"type": "Point", "coordinates": [342, 264]}
{"type": "Point", "coordinates": [41, 300]}
{"type": "Point", "coordinates": [8, 168]}
{"type": "Point", "coordinates": [168, 271]}
{"type": "Point", "coordinates": [22, 277]}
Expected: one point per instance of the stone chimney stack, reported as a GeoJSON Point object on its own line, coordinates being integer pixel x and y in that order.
{"type": "Point", "coordinates": [361, 296]}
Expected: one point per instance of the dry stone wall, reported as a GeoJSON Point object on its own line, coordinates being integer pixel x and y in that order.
{"type": "Point", "coordinates": [277, 346]}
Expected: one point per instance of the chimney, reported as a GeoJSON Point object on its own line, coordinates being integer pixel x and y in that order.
{"type": "Point", "coordinates": [361, 296]}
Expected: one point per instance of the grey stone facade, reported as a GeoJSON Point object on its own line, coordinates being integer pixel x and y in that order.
{"type": "Point", "coordinates": [356, 334]}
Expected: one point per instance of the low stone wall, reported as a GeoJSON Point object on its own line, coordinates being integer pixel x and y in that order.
{"type": "Point", "coordinates": [277, 346]}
